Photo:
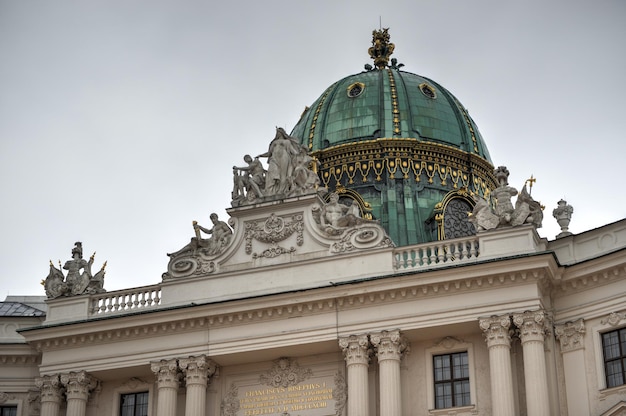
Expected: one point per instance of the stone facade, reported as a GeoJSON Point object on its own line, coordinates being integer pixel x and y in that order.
{"type": "Point", "coordinates": [316, 331]}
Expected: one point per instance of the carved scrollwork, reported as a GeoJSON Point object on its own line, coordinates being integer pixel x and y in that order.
{"type": "Point", "coordinates": [340, 393]}
{"type": "Point", "coordinates": [273, 230]}
{"type": "Point", "coordinates": [363, 237]}
{"type": "Point", "coordinates": [189, 266]}
{"type": "Point", "coordinates": [284, 373]}
{"type": "Point", "coordinates": [230, 403]}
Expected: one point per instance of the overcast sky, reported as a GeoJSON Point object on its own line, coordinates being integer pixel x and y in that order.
{"type": "Point", "coordinates": [120, 120]}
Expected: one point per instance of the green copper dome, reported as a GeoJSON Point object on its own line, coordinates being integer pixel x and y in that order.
{"type": "Point", "coordinates": [388, 103]}
{"type": "Point", "coordinates": [400, 145]}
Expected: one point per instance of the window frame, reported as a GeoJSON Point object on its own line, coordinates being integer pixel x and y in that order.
{"type": "Point", "coordinates": [132, 386]}
{"type": "Point", "coordinates": [453, 379]}
{"type": "Point", "coordinates": [13, 402]}
{"type": "Point", "coordinates": [621, 357]}
{"type": "Point", "coordinates": [449, 345]}
{"type": "Point", "coordinates": [5, 405]}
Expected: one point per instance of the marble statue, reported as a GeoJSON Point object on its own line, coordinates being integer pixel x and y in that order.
{"type": "Point", "coordinates": [221, 234]}
{"type": "Point", "coordinates": [482, 217]}
{"type": "Point", "coordinates": [281, 157]}
{"type": "Point", "coordinates": [503, 194]}
{"type": "Point", "coordinates": [291, 171]}
{"type": "Point", "coordinates": [304, 179]}
{"type": "Point", "coordinates": [525, 211]}
{"type": "Point", "coordinates": [79, 279]}
{"type": "Point", "coordinates": [249, 181]}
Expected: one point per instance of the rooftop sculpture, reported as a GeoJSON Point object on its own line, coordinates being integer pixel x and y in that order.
{"type": "Point", "coordinates": [289, 173]}
{"type": "Point", "coordinates": [79, 280]}
{"type": "Point", "coordinates": [525, 211]}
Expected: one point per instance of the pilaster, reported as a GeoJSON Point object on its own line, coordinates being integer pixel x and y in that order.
{"type": "Point", "coordinates": [571, 337]}
{"type": "Point", "coordinates": [532, 331]}
{"type": "Point", "coordinates": [390, 346]}
{"type": "Point", "coordinates": [197, 371]}
{"type": "Point", "coordinates": [356, 351]}
{"type": "Point", "coordinates": [51, 394]}
{"type": "Point", "coordinates": [168, 381]}
{"type": "Point", "coordinates": [498, 336]}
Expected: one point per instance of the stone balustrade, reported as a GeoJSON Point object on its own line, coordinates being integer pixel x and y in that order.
{"type": "Point", "coordinates": [436, 254]}
{"type": "Point", "coordinates": [127, 300]}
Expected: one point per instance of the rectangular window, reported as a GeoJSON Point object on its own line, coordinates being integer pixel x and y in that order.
{"type": "Point", "coordinates": [614, 349]}
{"type": "Point", "coordinates": [134, 404]}
{"type": "Point", "coordinates": [451, 376]}
{"type": "Point", "coordinates": [8, 410]}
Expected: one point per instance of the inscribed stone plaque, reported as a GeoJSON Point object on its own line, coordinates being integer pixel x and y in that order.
{"type": "Point", "coordinates": [287, 390]}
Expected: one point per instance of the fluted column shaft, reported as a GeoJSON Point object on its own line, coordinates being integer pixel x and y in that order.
{"type": "Point", "coordinates": [357, 355]}
{"type": "Point", "coordinates": [570, 336]}
{"type": "Point", "coordinates": [77, 387]}
{"type": "Point", "coordinates": [197, 371]}
{"type": "Point", "coordinates": [532, 334]}
{"type": "Point", "coordinates": [389, 346]}
{"type": "Point", "coordinates": [168, 380]}
{"type": "Point", "coordinates": [497, 335]}
{"type": "Point", "coordinates": [51, 394]}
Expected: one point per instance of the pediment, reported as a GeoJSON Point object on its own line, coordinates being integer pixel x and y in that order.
{"type": "Point", "coordinates": [278, 233]}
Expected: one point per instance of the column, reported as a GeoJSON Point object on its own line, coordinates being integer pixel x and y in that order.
{"type": "Point", "coordinates": [570, 336]}
{"type": "Point", "coordinates": [51, 394]}
{"type": "Point", "coordinates": [168, 380]}
{"type": "Point", "coordinates": [498, 336]}
{"type": "Point", "coordinates": [532, 333]}
{"type": "Point", "coordinates": [357, 355]}
{"type": "Point", "coordinates": [77, 388]}
{"type": "Point", "coordinates": [389, 346]}
{"type": "Point", "coordinates": [197, 371]}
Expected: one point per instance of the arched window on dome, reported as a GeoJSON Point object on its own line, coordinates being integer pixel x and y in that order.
{"type": "Point", "coordinates": [451, 215]}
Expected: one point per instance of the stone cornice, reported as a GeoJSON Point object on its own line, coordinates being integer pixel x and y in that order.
{"type": "Point", "coordinates": [372, 292]}
{"type": "Point", "coordinates": [592, 273]}
{"type": "Point", "coordinates": [18, 360]}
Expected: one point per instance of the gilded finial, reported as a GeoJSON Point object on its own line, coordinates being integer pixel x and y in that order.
{"type": "Point", "coordinates": [530, 181]}
{"type": "Point", "coordinates": [103, 266]}
{"type": "Point", "coordinates": [381, 48]}
{"type": "Point", "coordinates": [93, 255]}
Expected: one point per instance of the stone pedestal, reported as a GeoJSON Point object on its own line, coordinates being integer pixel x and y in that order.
{"type": "Point", "coordinates": [570, 336]}
{"type": "Point", "coordinates": [197, 371]}
{"type": "Point", "coordinates": [51, 394]}
{"type": "Point", "coordinates": [77, 387]}
{"type": "Point", "coordinates": [532, 334]}
{"type": "Point", "coordinates": [168, 381]}
{"type": "Point", "coordinates": [390, 346]}
{"type": "Point", "coordinates": [497, 335]}
{"type": "Point", "coordinates": [357, 355]}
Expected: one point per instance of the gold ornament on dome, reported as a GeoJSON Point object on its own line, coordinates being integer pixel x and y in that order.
{"type": "Point", "coordinates": [381, 48]}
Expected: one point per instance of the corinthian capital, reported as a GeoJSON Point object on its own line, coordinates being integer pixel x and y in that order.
{"type": "Point", "coordinates": [198, 369]}
{"type": "Point", "coordinates": [78, 384]}
{"type": "Point", "coordinates": [497, 330]}
{"type": "Point", "coordinates": [356, 349]}
{"type": "Point", "coordinates": [50, 387]}
{"type": "Point", "coordinates": [532, 325]}
{"type": "Point", "coordinates": [389, 345]}
{"type": "Point", "coordinates": [570, 335]}
{"type": "Point", "coordinates": [167, 373]}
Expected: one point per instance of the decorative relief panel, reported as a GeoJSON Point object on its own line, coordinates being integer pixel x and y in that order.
{"type": "Point", "coordinates": [273, 230]}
